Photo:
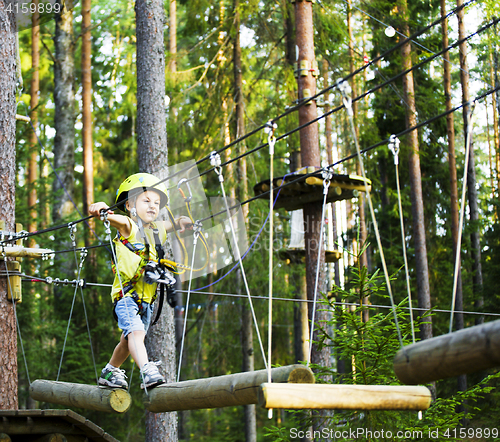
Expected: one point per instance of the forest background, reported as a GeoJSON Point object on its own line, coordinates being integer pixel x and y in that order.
{"type": "Point", "coordinates": [201, 115]}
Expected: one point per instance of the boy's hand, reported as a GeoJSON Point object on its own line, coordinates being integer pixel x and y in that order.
{"type": "Point", "coordinates": [183, 223]}
{"type": "Point", "coordinates": [96, 208]}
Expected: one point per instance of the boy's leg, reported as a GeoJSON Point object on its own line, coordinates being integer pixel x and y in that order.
{"type": "Point", "coordinates": [111, 375]}
{"type": "Point", "coordinates": [120, 353]}
{"type": "Point", "coordinates": [137, 348]}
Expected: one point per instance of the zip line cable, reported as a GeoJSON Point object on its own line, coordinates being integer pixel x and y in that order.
{"type": "Point", "coordinates": [376, 59]}
{"type": "Point", "coordinates": [394, 148]}
{"type": "Point", "coordinates": [302, 177]}
{"type": "Point", "coordinates": [275, 298]}
{"type": "Point", "coordinates": [414, 41]}
{"type": "Point", "coordinates": [359, 97]}
{"type": "Point", "coordinates": [457, 268]}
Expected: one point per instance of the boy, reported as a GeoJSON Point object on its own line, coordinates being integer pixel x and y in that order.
{"type": "Point", "coordinates": [138, 242]}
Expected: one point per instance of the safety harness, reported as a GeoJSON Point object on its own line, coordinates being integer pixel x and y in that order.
{"type": "Point", "coordinates": [128, 286]}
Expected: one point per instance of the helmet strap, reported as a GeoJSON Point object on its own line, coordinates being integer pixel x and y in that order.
{"type": "Point", "coordinates": [133, 212]}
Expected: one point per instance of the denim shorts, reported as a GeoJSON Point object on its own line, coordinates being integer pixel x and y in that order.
{"type": "Point", "coordinates": [129, 319]}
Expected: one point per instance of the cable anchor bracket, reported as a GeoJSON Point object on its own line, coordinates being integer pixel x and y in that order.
{"type": "Point", "coordinates": [393, 146]}
{"type": "Point", "coordinates": [215, 162]}
{"type": "Point", "coordinates": [269, 129]}
{"type": "Point", "coordinates": [106, 223]}
{"type": "Point", "coordinates": [327, 175]}
{"type": "Point", "coordinates": [345, 90]}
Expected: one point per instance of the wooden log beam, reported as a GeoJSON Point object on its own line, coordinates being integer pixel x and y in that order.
{"type": "Point", "coordinates": [19, 251]}
{"type": "Point", "coordinates": [221, 391]}
{"type": "Point", "coordinates": [344, 397]}
{"type": "Point", "coordinates": [465, 351]}
{"type": "Point", "coordinates": [53, 437]}
{"type": "Point", "coordinates": [90, 397]}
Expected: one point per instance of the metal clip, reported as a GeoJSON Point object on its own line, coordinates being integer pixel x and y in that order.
{"type": "Point", "coordinates": [327, 174]}
{"type": "Point", "coordinates": [72, 231]}
{"type": "Point", "coordinates": [187, 199]}
{"type": "Point", "coordinates": [269, 129]}
{"type": "Point", "coordinates": [345, 90]}
{"type": "Point", "coordinates": [394, 147]}
{"type": "Point", "coordinates": [215, 161]}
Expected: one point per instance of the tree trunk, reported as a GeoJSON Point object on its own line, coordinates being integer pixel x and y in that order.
{"type": "Point", "coordinates": [8, 343]}
{"type": "Point", "coordinates": [172, 33]}
{"type": "Point", "coordinates": [450, 130]}
{"type": "Point", "coordinates": [310, 157]}
{"type": "Point", "coordinates": [88, 154]}
{"type": "Point", "coordinates": [152, 156]}
{"type": "Point", "coordinates": [151, 126]}
{"type": "Point", "coordinates": [250, 417]}
{"type": "Point", "coordinates": [64, 141]}
{"type": "Point", "coordinates": [33, 142]}
{"type": "Point", "coordinates": [64, 120]}
{"type": "Point", "coordinates": [417, 205]}
{"type": "Point", "coordinates": [477, 272]}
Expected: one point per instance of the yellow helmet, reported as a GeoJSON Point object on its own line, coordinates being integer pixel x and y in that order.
{"type": "Point", "coordinates": [140, 181]}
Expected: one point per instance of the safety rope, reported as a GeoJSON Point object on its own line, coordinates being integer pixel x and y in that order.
{"type": "Point", "coordinates": [345, 89]}
{"type": "Point", "coordinates": [271, 140]}
{"type": "Point", "coordinates": [394, 148]}
{"type": "Point", "coordinates": [197, 231]}
{"type": "Point", "coordinates": [327, 176]}
{"type": "Point", "coordinates": [462, 212]}
{"type": "Point", "coordinates": [83, 255]}
{"type": "Point", "coordinates": [4, 256]}
{"type": "Point", "coordinates": [215, 161]}
{"type": "Point", "coordinates": [72, 230]}
{"type": "Point", "coordinates": [107, 230]}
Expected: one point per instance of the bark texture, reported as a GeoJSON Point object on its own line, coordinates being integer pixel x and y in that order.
{"type": "Point", "coordinates": [417, 205]}
{"type": "Point", "coordinates": [88, 154]}
{"type": "Point", "coordinates": [152, 157]}
{"type": "Point", "coordinates": [151, 115]}
{"type": "Point", "coordinates": [310, 157]}
{"type": "Point", "coordinates": [8, 343]}
{"type": "Point", "coordinates": [64, 120]}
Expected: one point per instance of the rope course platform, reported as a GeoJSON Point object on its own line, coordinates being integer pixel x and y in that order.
{"type": "Point", "coordinates": [310, 189]}
{"type": "Point", "coordinates": [222, 391]}
{"type": "Point", "coordinates": [461, 352]}
{"type": "Point", "coordinates": [22, 252]}
{"type": "Point", "coordinates": [298, 256]}
{"type": "Point", "coordinates": [344, 397]}
{"type": "Point", "coordinates": [49, 425]}
{"type": "Point", "coordinates": [90, 397]}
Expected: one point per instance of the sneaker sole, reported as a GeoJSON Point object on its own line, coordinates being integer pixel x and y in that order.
{"type": "Point", "coordinates": [105, 383]}
{"type": "Point", "coordinates": [152, 384]}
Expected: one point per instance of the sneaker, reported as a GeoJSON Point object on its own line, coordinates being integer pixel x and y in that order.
{"type": "Point", "coordinates": [151, 377]}
{"type": "Point", "coordinates": [113, 377]}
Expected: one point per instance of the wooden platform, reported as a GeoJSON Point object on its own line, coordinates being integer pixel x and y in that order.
{"type": "Point", "coordinates": [461, 352]}
{"type": "Point", "coordinates": [344, 397]}
{"type": "Point", "coordinates": [91, 397]}
{"type": "Point", "coordinates": [221, 391]}
{"type": "Point", "coordinates": [310, 189]}
{"type": "Point", "coordinates": [298, 256]}
{"type": "Point", "coordinates": [32, 425]}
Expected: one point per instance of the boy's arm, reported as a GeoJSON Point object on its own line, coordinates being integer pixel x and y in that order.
{"type": "Point", "coordinates": [181, 224]}
{"type": "Point", "coordinates": [119, 222]}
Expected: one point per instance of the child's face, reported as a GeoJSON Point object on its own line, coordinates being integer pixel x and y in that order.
{"type": "Point", "coordinates": [147, 205]}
